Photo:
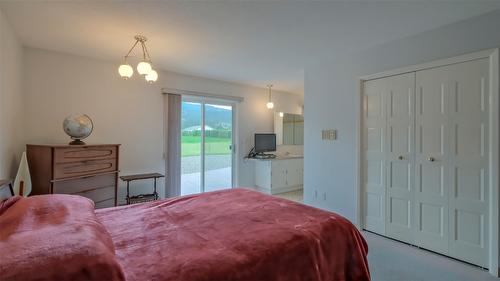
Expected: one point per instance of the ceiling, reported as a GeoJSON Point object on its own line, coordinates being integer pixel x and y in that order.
{"type": "Point", "coordinates": [250, 42]}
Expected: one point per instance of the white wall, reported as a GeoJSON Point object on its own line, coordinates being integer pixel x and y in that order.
{"type": "Point", "coordinates": [11, 109]}
{"type": "Point", "coordinates": [128, 112]}
{"type": "Point", "coordinates": [331, 101]}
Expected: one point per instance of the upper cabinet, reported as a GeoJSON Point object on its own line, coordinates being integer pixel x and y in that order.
{"type": "Point", "coordinates": [289, 129]}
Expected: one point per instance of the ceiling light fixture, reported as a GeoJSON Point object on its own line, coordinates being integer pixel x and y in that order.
{"type": "Point", "coordinates": [144, 67]}
{"type": "Point", "coordinates": [270, 104]}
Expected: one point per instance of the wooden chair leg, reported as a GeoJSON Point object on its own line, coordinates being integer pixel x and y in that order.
{"type": "Point", "coordinates": [21, 188]}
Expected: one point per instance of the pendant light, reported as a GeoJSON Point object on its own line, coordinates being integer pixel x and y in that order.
{"type": "Point", "coordinates": [152, 76]}
{"type": "Point", "coordinates": [144, 67]}
{"type": "Point", "coordinates": [270, 104]}
{"type": "Point", "coordinates": [126, 71]}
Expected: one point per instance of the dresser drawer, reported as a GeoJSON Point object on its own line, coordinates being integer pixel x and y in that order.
{"type": "Point", "coordinates": [101, 194]}
{"type": "Point", "coordinates": [82, 168]}
{"type": "Point", "coordinates": [105, 204]}
{"type": "Point", "coordinates": [76, 154]}
{"type": "Point", "coordinates": [84, 184]}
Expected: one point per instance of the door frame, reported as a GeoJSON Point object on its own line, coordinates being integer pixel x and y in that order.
{"type": "Point", "coordinates": [217, 101]}
{"type": "Point", "coordinates": [493, 129]}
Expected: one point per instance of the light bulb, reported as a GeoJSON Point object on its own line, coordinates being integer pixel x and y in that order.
{"type": "Point", "coordinates": [125, 71]}
{"type": "Point", "coordinates": [281, 114]}
{"type": "Point", "coordinates": [152, 76]}
{"type": "Point", "coordinates": [270, 105]}
{"type": "Point", "coordinates": [144, 67]}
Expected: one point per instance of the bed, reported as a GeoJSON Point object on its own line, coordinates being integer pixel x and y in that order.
{"type": "Point", "coordinates": [237, 235]}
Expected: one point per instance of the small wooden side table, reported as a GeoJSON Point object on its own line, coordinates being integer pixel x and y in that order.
{"type": "Point", "coordinates": [141, 197]}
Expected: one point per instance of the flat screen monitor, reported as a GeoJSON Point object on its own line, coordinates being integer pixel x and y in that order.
{"type": "Point", "coordinates": [265, 142]}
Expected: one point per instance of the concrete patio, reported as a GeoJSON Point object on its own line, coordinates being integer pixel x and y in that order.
{"type": "Point", "coordinates": [217, 175]}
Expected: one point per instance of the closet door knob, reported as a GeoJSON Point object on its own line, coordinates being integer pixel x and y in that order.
{"type": "Point", "coordinates": [401, 157]}
{"type": "Point", "coordinates": [431, 159]}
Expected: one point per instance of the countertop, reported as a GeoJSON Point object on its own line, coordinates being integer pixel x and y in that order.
{"type": "Point", "coordinates": [279, 157]}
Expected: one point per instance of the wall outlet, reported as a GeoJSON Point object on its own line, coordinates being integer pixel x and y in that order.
{"type": "Point", "coordinates": [329, 134]}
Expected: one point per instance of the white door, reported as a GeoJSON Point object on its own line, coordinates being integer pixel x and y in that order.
{"type": "Point", "coordinates": [293, 175]}
{"type": "Point", "coordinates": [399, 156]}
{"type": "Point", "coordinates": [278, 174]}
{"type": "Point", "coordinates": [425, 159]}
{"type": "Point", "coordinates": [432, 173]}
{"type": "Point", "coordinates": [374, 155]}
{"type": "Point", "coordinates": [468, 195]}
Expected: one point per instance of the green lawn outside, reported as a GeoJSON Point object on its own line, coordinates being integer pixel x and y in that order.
{"type": "Point", "coordinates": [191, 145]}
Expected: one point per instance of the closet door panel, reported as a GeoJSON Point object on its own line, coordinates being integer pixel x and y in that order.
{"type": "Point", "coordinates": [432, 173]}
{"type": "Point", "coordinates": [469, 162]}
{"type": "Point", "coordinates": [374, 156]}
{"type": "Point", "coordinates": [399, 156]}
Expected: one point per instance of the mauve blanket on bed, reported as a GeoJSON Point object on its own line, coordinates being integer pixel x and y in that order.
{"type": "Point", "coordinates": [234, 235]}
{"type": "Point", "coordinates": [55, 237]}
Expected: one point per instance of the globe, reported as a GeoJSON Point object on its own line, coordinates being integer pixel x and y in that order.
{"type": "Point", "coordinates": [78, 127]}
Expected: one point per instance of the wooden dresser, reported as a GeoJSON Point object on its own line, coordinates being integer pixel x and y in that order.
{"type": "Point", "coordinates": [87, 170]}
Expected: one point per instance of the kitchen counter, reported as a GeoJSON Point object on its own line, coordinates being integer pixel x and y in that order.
{"type": "Point", "coordinates": [280, 157]}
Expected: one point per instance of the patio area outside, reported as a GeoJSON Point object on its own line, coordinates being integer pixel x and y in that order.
{"type": "Point", "coordinates": [216, 132]}
{"type": "Point", "coordinates": [218, 174]}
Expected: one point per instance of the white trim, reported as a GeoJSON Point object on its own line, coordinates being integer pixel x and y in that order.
{"type": "Point", "coordinates": [433, 64]}
{"type": "Point", "coordinates": [234, 147]}
{"type": "Point", "coordinates": [203, 156]}
{"type": "Point", "coordinates": [200, 94]}
{"type": "Point", "coordinates": [494, 166]}
{"type": "Point", "coordinates": [494, 162]}
{"type": "Point", "coordinates": [358, 154]}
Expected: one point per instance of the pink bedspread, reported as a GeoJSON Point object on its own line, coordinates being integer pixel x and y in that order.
{"type": "Point", "coordinates": [237, 235]}
{"type": "Point", "coordinates": [55, 237]}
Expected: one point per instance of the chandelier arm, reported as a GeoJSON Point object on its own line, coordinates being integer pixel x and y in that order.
{"type": "Point", "coordinates": [143, 51]}
{"type": "Point", "coordinates": [147, 53]}
{"type": "Point", "coordinates": [133, 46]}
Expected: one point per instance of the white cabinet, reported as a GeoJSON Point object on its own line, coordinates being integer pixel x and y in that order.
{"type": "Point", "coordinates": [425, 159]}
{"type": "Point", "coordinates": [279, 175]}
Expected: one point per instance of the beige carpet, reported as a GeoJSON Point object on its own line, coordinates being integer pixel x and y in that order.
{"type": "Point", "coordinates": [390, 260]}
{"type": "Point", "coordinates": [393, 261]}
{"type": "Point", "coordinates": [297, 195]}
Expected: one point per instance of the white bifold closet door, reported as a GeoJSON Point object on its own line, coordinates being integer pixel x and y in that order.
{"type": "Point", "coordinates": [373, 134]}
{"type": "Point", "coordinates": [388, 155]}
{"type": "Point", "coordinates": [425, 159]}
{"type": "Point", "coordinates": [400, 150]}
{"type": "Point", "coordinates": [432, 153]}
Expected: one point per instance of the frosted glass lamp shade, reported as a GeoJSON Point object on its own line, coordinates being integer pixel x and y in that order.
{"type": "Point", "coordinates": [125, 71]}
{"type": "Point", "coordinates": [144, 67]}
{"type": "Point", "coordinates": [270, 105]}
{"type": "Point", "coordinates": [152, 76]}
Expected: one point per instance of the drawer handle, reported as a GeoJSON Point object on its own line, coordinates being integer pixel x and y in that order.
{"type": "Point", "coordinates": [431, 159]}
{"type": "Point", "coordinates": [401, 157]}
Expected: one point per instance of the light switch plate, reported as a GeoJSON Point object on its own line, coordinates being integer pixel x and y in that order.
{"type": "Point", "coordinates": [329, 134]}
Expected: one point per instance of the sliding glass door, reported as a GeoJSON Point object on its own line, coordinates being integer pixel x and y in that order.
{"type": "Point", "coordinates": [206, 146]}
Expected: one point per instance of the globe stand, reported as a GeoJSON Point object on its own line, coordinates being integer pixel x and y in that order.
{"type": "Point", "coordinates": [77, 142]}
